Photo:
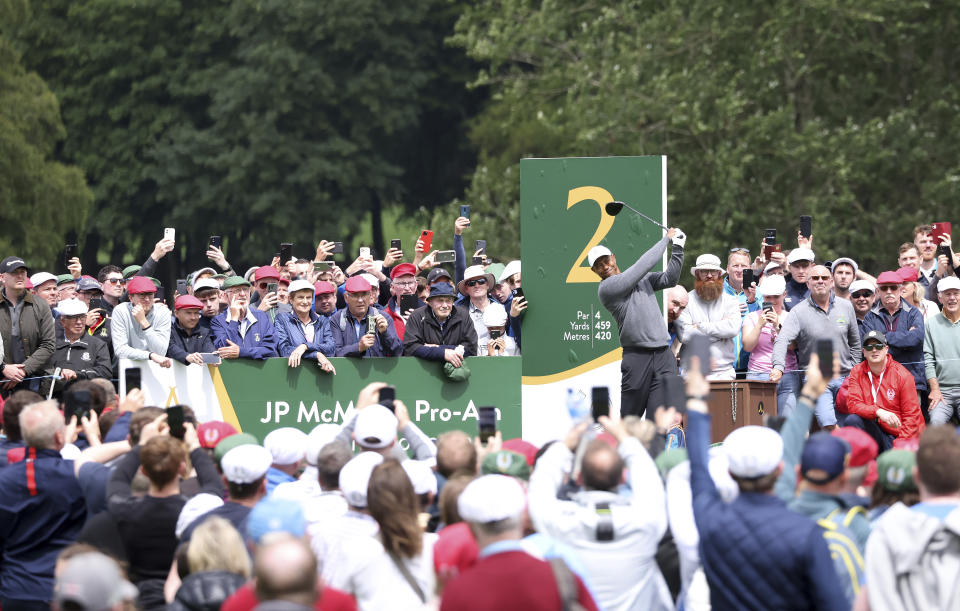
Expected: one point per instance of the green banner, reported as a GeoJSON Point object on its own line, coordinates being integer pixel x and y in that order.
{"type": "Point", "coordinates": [266, 395]}
{"type": "Point", "coordinates": [565, 330]}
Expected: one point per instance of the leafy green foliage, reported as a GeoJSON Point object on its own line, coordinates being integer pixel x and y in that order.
{"type": "Point", "coordinates": [766, 110]}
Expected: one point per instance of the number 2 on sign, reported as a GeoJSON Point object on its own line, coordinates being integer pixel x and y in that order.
{"type": "Point", "coordinates": [601, 197]}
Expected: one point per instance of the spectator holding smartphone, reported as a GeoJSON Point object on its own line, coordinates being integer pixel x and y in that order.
{"type": "Point", "coordinates": [242, 331]}
{"type": "Point", "coordinates": [760, 330]}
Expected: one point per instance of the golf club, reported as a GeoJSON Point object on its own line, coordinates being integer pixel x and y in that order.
{"type": "Point", "coordinates": [614, 208]}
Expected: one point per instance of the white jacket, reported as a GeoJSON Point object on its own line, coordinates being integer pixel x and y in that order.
{"type": "Point", "coordinates": [720, 321]}
{"type": "Point", "coordinates": [623, 572]}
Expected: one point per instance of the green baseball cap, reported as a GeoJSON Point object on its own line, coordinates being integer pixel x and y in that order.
{"type": "Point", "coordinates": [233, 281]}
{"type": "Point", "coordinates": [669, 459]}
{"type": "Point", "coordinates": [130, 270]}
{"type": "Point", "coordinates": [231, 442]}
{"type": "Point", "coordinates": [64, 279]}
{"type": "Point", "coordinates": [506, 462]}
{"type": "Point", "coordinates": [895, 470]}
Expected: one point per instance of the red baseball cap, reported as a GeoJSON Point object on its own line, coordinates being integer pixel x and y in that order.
{"type": "Point", "coordinates": [185, 302]}
{"type": "Point", "coordinates": [404, 269]}
{"type": "Point", "coordinates": [322, 287]}
{"type": "Point", "coordinates": [889, 278]}
{"type": "Point", "coordinates": [213, 432]}
{"type": "Point", "coordinates": [524, 448]}
{"type": "Point", "coordinates": [357, 284]}
{"type": "Point", "coordinates": [267, 271]}
{"type": "Point", "coordinates": [140, 284]}
{"type": "Point", "coordinates": [863, 448]}
{"type": "Point", "coordinates": [909, 274]}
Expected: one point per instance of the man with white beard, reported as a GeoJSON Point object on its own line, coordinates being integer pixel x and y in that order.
{"type": "Point", "coordinates": [712, 313]}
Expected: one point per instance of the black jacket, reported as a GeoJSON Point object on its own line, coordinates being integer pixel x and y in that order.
{"type": "Point", "coordinates": [424, 328]}
{"type": "Point", "coordinates": [88, 356]}
{"type": "Point", "coordinates": [206, 591]}
{"type": "Point", "coordinates": [181, 344]}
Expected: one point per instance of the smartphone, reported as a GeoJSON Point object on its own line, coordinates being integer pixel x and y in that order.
{"type": "Point", "coordinates": [408, 303]}
{"type": "Point", "coordinates": [767, 308]}
{"type": "Point", "coordinates": [387, 396]}
{"type": "Point", "coordinates": [698, 346]}
{"type": "Point", "coordinates": [446, 256]}
{"type": "Point", "coordinates": [769, 249]}
{"type": "Point", "coordinates": [69, 252]}
{"type": "Point", "coordinates": [286, 252]}
{"type": "Point", "coordinates": [495, 333]}
{"type": "Point", "coordinates": [806, 226]}
{"type": "Point", "coordinates": [675, 392]}
{"type": "Point", "coordinates": [181, 287]}
{"type": "Point", "coordinates": [365, 252]}
{"type": "Point", "coordinates": [476, 261]}
{"type": "Point", "coordinates": [518, 292]}
{"type": "Point", "coordinates": [97, 304]}
{"type": "Point", "coordinates": [748, 278]}
{"type": "Point", "coordinates": [944, 250]}
{"type": "Point", "coordinates": [132, 379]}
{"type": "Point", "coordinates": [465, 211]}
{"type": "Point", "coordinates": [78, 403]}
{"type": "Point", "coordinates": [169, 233]}
{"type": "Point", "coordinates": [272, 287]}
{"type": "Point", "coordinates": [825, 354]}
{"type": "Point", "coordinates": [371, 324]}
{"type": "Point", "coordinates": [337, 248]}
{"type": "Point", "coordinates": [175, 421]}
{"type": "Point", "coordinates": [600, 402]}
{"type": "Point", "coordinates": [426, 236]}
{"type": "Point", "coordinates": [211, 358]}
{"type": "Point", "coordinates": [486, 422]}
{"type": "Point", "coordinates": [322, 266]}
{"type": "Point", "coordinates": [938, 230]}
{"type": "Point", "coordinates": [395, 244]}
{"type": "Point", "coordinates": [770, 236]}
{"type": "Point", "coordinates": [481, 245]}
{"type": "Point", "coordinates": [217, 241]}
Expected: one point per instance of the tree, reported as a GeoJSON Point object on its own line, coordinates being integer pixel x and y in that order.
{"type": "Point", "coordinates": [766, 110]}
{"type": "Point", "coordinates": [41, 200]}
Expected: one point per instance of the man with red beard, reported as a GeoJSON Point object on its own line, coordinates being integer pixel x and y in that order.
{"type": "Point", "coordinates": [712, 313]}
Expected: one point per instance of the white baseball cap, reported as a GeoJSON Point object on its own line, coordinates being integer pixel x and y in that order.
{"type": "Point", "coordinates": [948, 282]}
{"type": "Point", "coordinates": [421, 476]}
{"type": "Point", "coordinates": [246, 464]}
{"type": "Point", "coordinates": [375, 427]}
{"type": "Point", "coordinates": [595, 253]}
{"type": "Point", "coordinates": [753, 451]}
{"type": "Point", "coordinates": [513, 267]}
{"type": "Point", "coordinates": [801, 254]}
{"type": "Point", "coordinates": [205, 283]}
{"type": "Point", "coordinates": [72, 307]}
{"type": "Point", "coordinates": [355, 477]}
{"type": "Point", "coordinates": [847, 261]}
{"type": "Point", "coordinates": [40, 277]}
{"type": "Point", "coordinates": [492, 498]}
{"type": "Point", "coordinates": [773, 285]}
{"type": "Point", "coordinates": [495, 315]}
{"type": "Point", "coordinates": [320, 436]}
{"type": "Point", "coordinates": [300, 285]}
{"type": "Point", "coordinates": [862, 285]}
{"type": "Point", "coordinates": [287, 445]}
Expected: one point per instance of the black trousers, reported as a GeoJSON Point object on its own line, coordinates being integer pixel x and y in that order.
{"type": "Point", "coordinates": [640, 373]}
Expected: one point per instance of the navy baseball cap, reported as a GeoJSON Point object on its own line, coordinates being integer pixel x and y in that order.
{"type": "Point", "coordinates": [824, 458]}
{"type": "Point", "coordinates": [11, 264]}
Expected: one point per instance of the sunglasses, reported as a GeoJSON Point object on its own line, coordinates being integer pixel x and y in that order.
{"type": "Point", "coordinates": [874, 347]}
{"type": "Point", "coordinates": [740, 249]}
{"type": "Point", "coordinates": [889, 288]}
{"type": "Point", "coordinates": [480, 281]}
{"type": "Point", "coordinates": [861, 295]}
{"type": "Point", "coordinates": [115, 280]}
{"type": "Point", "coordinates": [820, 278]}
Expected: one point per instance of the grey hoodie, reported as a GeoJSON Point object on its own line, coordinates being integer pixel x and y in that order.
{"type": "Point", "coordinates": [631, 297]}
{"type": "Point", "coordinates": [913, 561]}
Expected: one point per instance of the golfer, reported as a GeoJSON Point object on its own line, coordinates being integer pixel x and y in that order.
{"type": "Point", "coordinates": [630, 297]}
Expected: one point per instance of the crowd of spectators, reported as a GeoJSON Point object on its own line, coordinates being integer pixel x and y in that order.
{"type": "Point", "coordinates": [850, 498]}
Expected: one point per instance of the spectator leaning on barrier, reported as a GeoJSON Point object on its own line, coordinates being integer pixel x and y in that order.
{"type": "Point", "coordinates": [325, 302]}
{"type": "Point", "coordinates": [78, 355]}
{"type": "Point", "coordinates": [941, 353]}
{"type": "Point", "coordinates": [140, 329]}
{"type": "Point", "coordinates": [441, 331]}
{"type": "Point", "coordinates": [242, 331]}
{"type": "Point", "coordinates": [26, 329]}
{"type": "Point", "coordinates": [188, 339]}
{"type": "Point", "coordinates": [351, 325]}
{"type": "Point", "coordinates": [302, 333]}
{"type": "Point", "coordinates": [403, 281]}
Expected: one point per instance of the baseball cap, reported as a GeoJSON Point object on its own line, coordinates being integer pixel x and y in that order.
{"type": "Point", "coordinates": [491, 498]}
{"type": "Point", "coordinates": [404, 269]}
{"type": "Point", "coordinates": [846, 260]}
{"type": "Point", "coordinates": [595, 253]}
{"type": "Point", "coordinates": [10, 264]}
{"type": "Point", "coordinates": [876, 336]}
{"type": "Point", "coordinates": [322, 287]}
{"type": "Point", "coordinates": [41, 277]}
{"type": "Point", "coordinates": [185, 302]}
{"type": "Point", "coordinates": [88, 284]}
{"type": "Point", "coordinates": [863, 448]}
{"type": "Point", "coordinates": [266, 272]}
{"type": "Point", "coordinates": [862, 285]}
{"type": "Point", "coordinates": [771, 266]}
{"type": "Point", "coordinates": [948, 282]}
{"type": "Point", "coordinates": [773, 285]}
{"type": "Point", "coordinates": [375, 427]}
{"type": "Point", "coordinates": [321, 435]}
{"type": "Point", "coordinates": [65, 279]}
{"type": "Point", "coordinates": [525, 448]}
{"type": "Point", "coordinates": [801, 254]}
{"type": "Point", "coordinates": [213, 432]}
{"type": "Point", "coordinates": [895, 470]}
{"type": "Point", "coordinates": [441, 289]}
{"type": "Point", "coordinates": [908, 274]}
{"type": "Point", "coordinates": [669, 459]}
{"type": "Point", "coordinates": [230, 442]}
{"type": "Point", "coordinates": [141, 284]}
{"type": "Point", "coordinates": [272, 515]}
{"type": "Point", "coordinates": [421, 476]}
{"type": "Point", "coordinates": [889, 278]}
{"type": "Point", "coordinates": [286, 444]}
{"type": "Point", "coordinates": [436, 273]}
{"type": "Point", "coordinates": [94, 582]}
{"type": "Point", "coordinates": [246, 463]}
{"type": "Point", "coordinates": [71, 307]}
{"type": "Point", "coordinates": [205, 283]}
{"type": "Point", "coordinates": [355, 477]}
{"type": "Point", "coordinates": [301, 285]}
{"type": "Point", "coordinates": [130, 270]}
{"type": "Point", "coordinates": [513, 267]}
{"type": "Point", "coordinates": [195, 507]}
{"type": "Point", "coordinates": [824, 458]}
{"type": "Point", "coordinates": [506, 462]}
{"type": "Point", "coordinates": [357, 284]}
{"type": "Point", "coordinates": [753, 451]}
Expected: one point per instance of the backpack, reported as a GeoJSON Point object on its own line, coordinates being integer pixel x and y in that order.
{"type": "Point", "coordinates": [846, 556]}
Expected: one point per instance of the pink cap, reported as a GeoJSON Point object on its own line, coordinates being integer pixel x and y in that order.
{"type": "Point", "coordinates": [185, 302]}
{"type": "Point", "coordinates": [909, 274]}
{"type": "Point", "coordinates": [267, 271]}
{"type": "Point", "coordinates": [357, 284]}
{"type": "Point", "coordinates": [889, 278]}
{"type": "Point", "coordinates": [140, 284]}
{"type": "Point", "coordinates": [322, 287]}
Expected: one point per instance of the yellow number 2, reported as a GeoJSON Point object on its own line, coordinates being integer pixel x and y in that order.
{"type": "Point", "coordinates": [600, 196]}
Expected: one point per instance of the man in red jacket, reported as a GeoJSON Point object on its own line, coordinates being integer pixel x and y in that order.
{"type": "Point", "coordinates": [882, 396]}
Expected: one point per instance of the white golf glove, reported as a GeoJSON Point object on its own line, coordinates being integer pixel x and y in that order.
{"type": "Point", "coordinates": [680, 238]}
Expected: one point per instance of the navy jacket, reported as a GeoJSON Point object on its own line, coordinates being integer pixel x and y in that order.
{"type": "Point", "coordinates": [181, 344]}
{"type": "Point", "coordinates": [347, 341]}
{"type": "Point", "coordinates": [904, 336]}
{"type": "Point", "coordinates": [756, 553]}
{"type": "Point", "coordinates": [259, 341]}
{"type": "Point", "coordinates": [42, 510]}
{"type": "Point", "coordinates": [290, 335]}
{"type": "Point", "coordinates": [796, 293]}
